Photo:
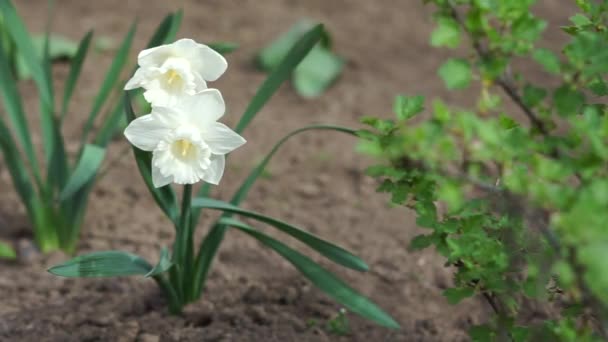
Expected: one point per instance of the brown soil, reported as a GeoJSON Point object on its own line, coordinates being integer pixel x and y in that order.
{"type": "Point", "coordinates": [316, 181]}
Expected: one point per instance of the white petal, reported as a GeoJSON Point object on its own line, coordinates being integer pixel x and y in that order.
{"type": "Point", "coordinates": [215, 171]}
{"type": "Point", "coordinates": [145, 132]}
{"type": "Point", "coordinates": [211, 66]}
{"type": "Point", "coordinates": [221, 139]}
{"type": "Point", "coordinates": [202, 108]}
{"type": "Point", "coordinates": [160, 97]}
{"type": "Point", "coordinates": [137, 80]}
{"type": "Point", "coordinates": [208, 63]}
{"type": "Point", "coordinates": [155, 56]}
{"type": "Point", "coordinates": [158, 179]}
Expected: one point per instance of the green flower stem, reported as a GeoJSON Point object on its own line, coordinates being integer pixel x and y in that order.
{"type": "Point", "coordinates": [183, 243]}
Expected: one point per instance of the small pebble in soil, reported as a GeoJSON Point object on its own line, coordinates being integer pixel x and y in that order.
{"type": "Point", "coordinates": [129, 331]}
{"type": "Point", "coordinates": [27, 252]}
{"type": "Point", "coordinates": [148, 338]}
{"type": "Point", "coordinates": [258, 315]}
{"type": "Point", "coordinates": [308, 190]}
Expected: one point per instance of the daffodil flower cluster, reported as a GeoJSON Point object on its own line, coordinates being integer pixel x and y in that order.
{"type": "Point", "coordinates": [187, 142]}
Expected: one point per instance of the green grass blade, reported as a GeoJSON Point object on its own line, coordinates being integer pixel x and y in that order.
{"type": "Point", "coordinates": [282, 72]}
{"type": "Point", "coordinates": [109, 83]}
{"type": "Point", "coordinates": [241, 193]}
{"type": "Point", "coordinates": [111, 124]}
{"type": "Point", "coordinates": [6, 251]}
{"type": "Point", "coordinates": [14, 108]}
{"type": "Point", "coordinates": [75, 68]}
{"type": "Point", "coordinates": [320, 277]}
{"type": "Point", "coordinates": [102, 264]}
{"type": "Point", "coordinates": [335, 253]}
{"type": "Point", "coordinates": [86, 169]}
{"type": "Point", "coordinates": [165, 196]}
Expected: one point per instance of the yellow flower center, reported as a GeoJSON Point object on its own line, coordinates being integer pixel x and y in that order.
{"type": "Point", "coordinates": [173, 77]}
{"type": "Point", "coordinates": [183, 147]}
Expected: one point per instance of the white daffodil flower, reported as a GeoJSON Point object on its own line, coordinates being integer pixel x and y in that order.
{"type": "Point", "coordinates": [187, 143]}
{"type": "Point", "coordinates": [183, 67]}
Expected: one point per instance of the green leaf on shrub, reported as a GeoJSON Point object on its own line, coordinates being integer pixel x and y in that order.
{"type": "Point", "coordinates": [598, 87]}
{"type": "Point", "coordinates": [102, 264]}
{"type": "Point", "coordinates": [446, 34]}
{"type": "Point", "coordinates": [456, 295]}
{"type": "Point", "coordinates": [456, 73]}
{"type": "Point", "coordinates": [580, 20]}
{"type": "Point", "coordinates": [548, 60]}
{"type": "Point", "coordinates": [567, 101]}
{"type": "Point", "coordinates": [482, 333]}
{"type": "Point", "coordinates": [421, 242]}
{"type": "Point", "coordinates": [406, 107]}
{"type": "Point", "coordinates": [533, 95]}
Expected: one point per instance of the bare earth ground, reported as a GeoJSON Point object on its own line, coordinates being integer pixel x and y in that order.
{"type": "Point", "coordinates": [316, 182]}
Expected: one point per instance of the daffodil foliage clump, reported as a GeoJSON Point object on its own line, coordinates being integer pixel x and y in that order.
{"type": "Point", "coordinates": [513, 191]}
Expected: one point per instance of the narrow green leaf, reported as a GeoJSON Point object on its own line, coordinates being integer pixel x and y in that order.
{"type": "Point", "coordinates": [279, 74]}
{"type": "Point", "coordinates": [15, 166]}
{"type": "Point", "coordinates": [208, 248]}
{"type": "Point", "coordinates": [456, 73]}
{"type": "Point", "coordinates": [23, 40]}
{"type": "Point", "coordinates": [265, 91]}
{"type": "Point", "coordinates": [46, 56]}
{"type": "Point", "coordinates": [111, 124]}
{"type": "Point", "coordinates": [166, 30]}
{"type": "Point", "coordinates": [40, 74]}
{"type": "Point", "coordinates": [165, 196]}
{"type": "Point", "coordinates": [75, 68]}
{"type": "Point", "coordinates": [112, 77]}
{"type": "Point", "coordinates": [243, 190]}
{"type": "Point", "coordinates": [11, 100]}
{"type": "Point", "coordinates": [163, 265]}
{"type": "Point", "coordinates": [86, 168]}
{"type": "Point", "coordinates": [223, 48]}
{"type": "Point", "coordinates": [272, 55]}
{"type": "Point", "coordinates": [335, 253]}
{"type": "Point", "coordinates": [102, 264]}
{"type": "Point", "coordinates": [270, 86]}
{"type": "Point", "coordinates": [317, 72]}
{"type": "Point", "coordinates": [6, 251]}
{"type": "Point", "coordinates": [320, 277]}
